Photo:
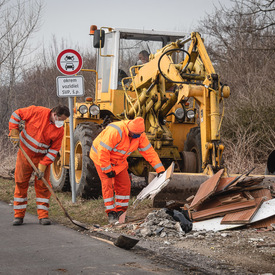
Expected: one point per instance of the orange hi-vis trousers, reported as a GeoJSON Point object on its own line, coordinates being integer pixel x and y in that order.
{"type": "Point", "coordinates": [23, 172]}
{"type": "Point", "coordinates": [115, 191]}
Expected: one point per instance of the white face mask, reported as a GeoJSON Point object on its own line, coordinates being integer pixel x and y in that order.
{"type": "Point", "coordinates": [59, 123]}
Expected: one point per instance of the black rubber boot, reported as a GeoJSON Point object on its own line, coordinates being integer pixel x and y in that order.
{"type": "Point", "coordinates": [17, 221]}
{"type": "Point", "coordinates": [45, 221]}
{"type": "Point", "coordinates": [112, 217]}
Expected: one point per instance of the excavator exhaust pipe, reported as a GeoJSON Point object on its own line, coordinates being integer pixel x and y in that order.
{"type": "Point", "coordinates": [270, 167]}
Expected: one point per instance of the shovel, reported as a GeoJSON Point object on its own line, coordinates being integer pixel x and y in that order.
{"type": "Point", "coordinates": [81, 225]}
{"type": "Point", "coordinates": [125, 242]}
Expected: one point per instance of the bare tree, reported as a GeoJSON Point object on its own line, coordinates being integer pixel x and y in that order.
{"type": "Point", "coordinates": [18, 21]}
{"type": "Point", "coordinates": [241, 42]}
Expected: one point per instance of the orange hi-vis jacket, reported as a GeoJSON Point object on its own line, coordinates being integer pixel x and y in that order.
{"type": "Point", "coordinates": [40, 137]}
{"type": "Point", "coordinates": [113, 145]}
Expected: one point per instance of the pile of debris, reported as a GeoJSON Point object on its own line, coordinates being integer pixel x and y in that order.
{"type": "Point", "coordinates": [165, 223]}
{"type": "Point", "coordinates": [233, 201]}
{"type": "Point", "coordinates": [220, 203]}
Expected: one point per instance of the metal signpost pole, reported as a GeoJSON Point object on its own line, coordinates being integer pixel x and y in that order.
{"type": "Point", "coordinates": [69, 63]}
{"type": "Point", "coordinates": [72, 157]}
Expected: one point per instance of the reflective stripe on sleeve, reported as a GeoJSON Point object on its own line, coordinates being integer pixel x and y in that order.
{"type": "Point", "coordinates": [157, 166]}
{"type": "Point", "coordinates": [106, 146]}
{"type": "Point", "coordinates": [120, 151]}
{"type": "Point", "coordinates": [20, 206]}
{"type": "Point", "coordinates": [51, 157]}
{"type": "Point", "coordinates": [20, 199]}
{"type": "Point", "coordinates": [43, 207]}
{"type": "Point", "coordinates": [42, 200]}
{"type": "Point", "coordinates": [106, 168]}
{"type": "Point", "coordinates": [16, 115]}
{"type": "Point", "coordinates": [122, 197]}
{"type": "Point", "coordinates": [52, 151]}
{"type": "Point", "coordinates": [94, 149]}
{"type": "Point", "coordinates": [145, 148]}
{"type": "Point", "coordinates": [13, 121]}
{"type": "Point", "coordinates": [117, 128]}
{"type": "Point", "coordinates": [108, 199]}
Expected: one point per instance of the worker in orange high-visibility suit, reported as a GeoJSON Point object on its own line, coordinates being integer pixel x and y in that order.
{"type": "Point", "coordinates": [109, 153]}
{"type": "Point", "coordinates": [41, 139]}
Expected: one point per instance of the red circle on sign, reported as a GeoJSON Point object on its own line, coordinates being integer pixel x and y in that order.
{"type": "Point", "coordinates": [69, 67]}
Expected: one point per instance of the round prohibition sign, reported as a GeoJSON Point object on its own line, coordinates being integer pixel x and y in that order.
{"type": "Point", "coordinates": [69, 62]}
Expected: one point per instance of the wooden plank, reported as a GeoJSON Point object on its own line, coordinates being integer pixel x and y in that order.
{"type": "Point", "coordinates": [219, 200]}
{"type": "Point", "coordinates": [223, 182]}
{"type": "Point", "coordinates": [222, 210]}
{"type": "Point", "coordinates": [263, 223]}
{"type": "Point", "coordinates": [243, 216]}
{"type": "Point", "coordinates": [206, 189]}
{"type": "Point", "coordinates": [266, 210]}
{"type": "Point", "coordinates": [261, 193]}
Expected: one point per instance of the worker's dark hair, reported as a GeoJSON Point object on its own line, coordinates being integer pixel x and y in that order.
{"type": "Point", "coordinates": [144, 53]}
{"type": "Point", "coordinates": [61, 110]}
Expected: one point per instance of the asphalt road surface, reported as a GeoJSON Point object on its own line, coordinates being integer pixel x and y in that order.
{"type": "Point", "coordinates": [36, 249]}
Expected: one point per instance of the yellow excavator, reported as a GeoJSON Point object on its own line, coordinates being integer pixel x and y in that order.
{"type": "Point", "coordinates": [177, 92]}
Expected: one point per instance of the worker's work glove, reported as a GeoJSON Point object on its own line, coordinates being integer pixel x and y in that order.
{"type": "Point", "coordinates": [111, 174]}
{"type": "Point", "coordinates": [14, 136]}
{"type": "Point", "coordinates": [41, 170]}
{"type": "Point", "coordinates": [160, 173]}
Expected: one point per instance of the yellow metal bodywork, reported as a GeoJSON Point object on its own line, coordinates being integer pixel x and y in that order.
{"type": "Point", "coordinates": [151, 96]}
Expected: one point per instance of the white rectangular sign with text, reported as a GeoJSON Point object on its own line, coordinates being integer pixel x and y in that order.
{"type": "Point", "coordinates": [70, 86]}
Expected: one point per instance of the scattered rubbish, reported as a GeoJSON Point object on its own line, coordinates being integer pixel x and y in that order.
{"type": "Point", "coordinates": [237, 200]}
{"type": "Point", "coordinates": [266, 210]}
{"type": "Point", "coordinates": [182, 217]}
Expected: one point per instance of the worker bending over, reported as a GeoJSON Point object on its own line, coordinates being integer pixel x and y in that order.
{"type": "Point", "coordinates": [109, 153]}
{"type": "Point", "coordinates": [41, 138]}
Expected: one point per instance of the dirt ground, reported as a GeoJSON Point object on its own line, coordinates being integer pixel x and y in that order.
{"type": "Point", "coordinates": [236, 251]}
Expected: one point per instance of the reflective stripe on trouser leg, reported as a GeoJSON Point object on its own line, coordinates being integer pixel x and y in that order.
{"type": "Point", "coordinates": [122, 188]}
{"type": "Point", "coordinates": [107, 190]}
{"type": "Point", "coordinates": [43, 195]}
{"type": "Point", "coordinates": [22, 175]}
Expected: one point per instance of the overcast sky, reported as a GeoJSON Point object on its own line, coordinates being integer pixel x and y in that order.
{"type": "Point", "coordinates": [71, 19]}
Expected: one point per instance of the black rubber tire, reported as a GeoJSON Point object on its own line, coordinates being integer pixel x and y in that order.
{"type": "Point", "coordinates": [59, 176]}
{"type": "Point", "coordinates": [270, 167]}
{"type": "Point", "coordinates": [193, 144]}
{"type": "Point", "coordinates": [88, 184]}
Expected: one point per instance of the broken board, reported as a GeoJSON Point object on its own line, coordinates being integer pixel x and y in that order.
{"type": "Point", "coordinates": [222, 210]}
{"type": "Point", "coordinates": [206, 189]}
{"type": "Point", "coordinates": [244, 216]}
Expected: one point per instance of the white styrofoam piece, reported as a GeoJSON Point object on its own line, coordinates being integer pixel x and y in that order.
{"type": "Point", "coordinates": [155, 186]}
{"type": "Point", "coordinates": [266, 210]}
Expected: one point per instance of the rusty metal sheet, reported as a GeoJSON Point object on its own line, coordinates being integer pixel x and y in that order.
{"type": "Point", "coordinates": [206, 189]}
